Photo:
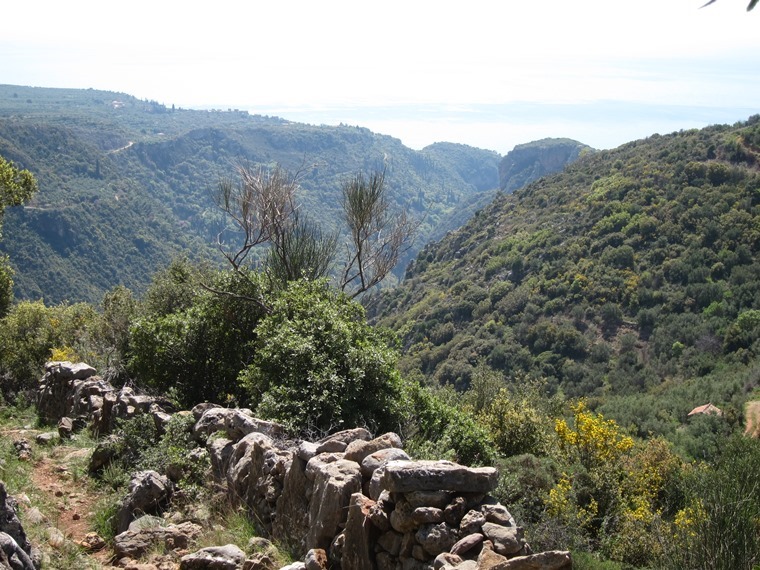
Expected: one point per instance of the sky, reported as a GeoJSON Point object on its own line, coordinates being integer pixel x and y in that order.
{"type": "Point", "coordinates": [490, 74]}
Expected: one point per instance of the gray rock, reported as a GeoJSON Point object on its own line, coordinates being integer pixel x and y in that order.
{"type": "Point", "coordinates": [47, 438]}
{"type": "Point", "coordinates": [358, 449]}
{"type": "Point", "coordinates": [148, 490]}
{"type": "Point", "coordinates": [14, 554]}
{"type": "Point", "coordinates": [307, 450]}
{"type": "Point", "coordinates": [201, 408]}
{"type": "Point", "coordinates": [334, 483]}
{"type": "Point", "coordinates": [380, 458]}
{"type": "Point", "coordinates": [347, 436]}
{"type": "Point", "coordinates": [329, 446]}
{"type": "Point", "coordinates": [506, 539]}
{"type": "Point", "coordinates": [316, 559]}
{"type": "Point", "coordinates": [436, 538]}
{"type": "Point", "coordinates": [549, 560]}
{"type": "Point", "coordinates": [65, 428]}
{"type": "Point", "coordinates": [70, 371]}
{"type": "Point", "coordinates": [138, 542]}
{"type": "Point", "coordinates": [472, 522]}
{"type": "Point", "coordinates": [498, 514]}
{"type": "Point", "coordinates": [228, 557]}
{"type": "Point", "coordinates": [408, 476]}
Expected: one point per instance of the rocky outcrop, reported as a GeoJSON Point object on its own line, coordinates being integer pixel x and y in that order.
{"type": "Point", "coordinates": [528, 162]}
{"type": "Point", "coordinates": [16, 552]}
{"type": "Point", "coordinates": [148, 491]}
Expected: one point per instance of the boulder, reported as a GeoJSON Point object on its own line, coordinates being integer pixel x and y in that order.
{"type": "Point", "coordinates": [228, 557]}
{"type": "Point", "coordinates": [408, 476]}
{"type": "Point", "coordinates": [316, 559]}
{"type": "Point", "coordinates": [17, 557]}
{"type": "Point", "coordinates": [148, 491]}
{"type": "Point", "coordinates": [135, 543]}
{"type": "Point", "coordinates": [347, 436]}
{"type": "Point", "coordinates": [436, 538]}
{"type": "Point", "coordinates": [380, 458]}
{"type": "Point", "coordinates": [334, 483]}
{"type": "Point", "coordinates": [506, 539]}
{"type": "Point", "coordinates": [358, 449]}
{"type": "Point", "coordinates": [65, 428]}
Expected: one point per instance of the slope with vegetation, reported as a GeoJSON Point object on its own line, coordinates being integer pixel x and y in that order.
{"type": "Point", "coordinates": [126, 185]}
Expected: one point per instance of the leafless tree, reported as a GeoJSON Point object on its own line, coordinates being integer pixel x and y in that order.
{"type": "Point", "coordinates": [377, 235]}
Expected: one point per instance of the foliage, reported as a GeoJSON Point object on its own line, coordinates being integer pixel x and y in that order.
{"type": "Point", "coordinates": [317, 365]}
{"type": "Point", "coordinates": [192, 342]}
{"type": "Point", "coordinates": [16, 187]}
{"type": "Point", "coordinates": [126, 185]}
{"type": "Point", "coordinates": [718, 527]}
{"type": "Point", "coordinates": [31, 334]}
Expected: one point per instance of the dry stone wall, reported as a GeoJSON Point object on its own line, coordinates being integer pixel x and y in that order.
{"type": "Point", "coordinates": [349, 500]}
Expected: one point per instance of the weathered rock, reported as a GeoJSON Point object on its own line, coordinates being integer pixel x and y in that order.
{"type": "Point", "coordinates": [379, 517]}
{"type": "Point", "coordinates": [360, 534]}
{"type": "Point", "coordinates": [220, 452]}
{"type": "Point", "coordinates": [427, 515]}
{"type": "Point", "coordinates": [467, 543]}
{"type": "Point", "coordinates": [70, 371]}
{"type": "Point", "coordinates": [329, 446]}
{"type": "Point", "coordinates": [506, 539]}
{"type": "Point", "coordinates": [307, 450]}
{"type": "Point", "coordinates": [402, 519]}
{"type": "Point", "coordinates": [47, 438]}
{"type": "Point", "coordinates": [199, 409]}
{"type": "Point", "coordinates": [390, 541]}
{"type": "Point", "coordinates": [334, 483]}
{"type": "Point", "coordinates": [358, 449]}
{"type": "Point", "coordinates": [228, 557]}
{"type": "Point", "coordinates": [498, 514]}
{"type": "Point", "coordinates": [408, 476]}
{"type": "Point", "coordinates": [455, 511]}
{"type": "Point", "coordinates": [472, 522]}
{"type": "Point", "coordinates": [436, 538]}
{"type": "Point", "coordinates": [381, 457]}
{"type": "Point", "coordinates": [490, 560]}
{"type": "Point", "coordinates": [17, 557]}
{"type": "Point", "coordinates": [446, 561]}
{"type": "Point", "coordinates": [65, 428]}
{"type": "Point", "coordinates": [316, 559]}
{"type": "Point", "coordinates": [23, 449]}
{"type": "Point", "coordinates": [148, 490]}
{"type": "Point", "coordinates": [10, 523]}
{"type": "Point", "coordinates": [136, 543]}
{"type": "Point", "coordinates": [347, 436]}
{"type": "Point", "coordinates": [105, 452]}
{"type": "Point", "coordinates": [294, 566]}
{"type": "Point", "coordinates": [291, 525]}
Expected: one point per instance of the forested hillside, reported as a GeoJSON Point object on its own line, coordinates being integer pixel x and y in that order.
{"type": "Point", "coordinates": [126, 185]}
{"type": "Point", "coordinates": [632, 278]}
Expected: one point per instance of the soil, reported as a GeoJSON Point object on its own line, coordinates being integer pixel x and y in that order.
{"type": "Point", "coordinates": [752, 415]}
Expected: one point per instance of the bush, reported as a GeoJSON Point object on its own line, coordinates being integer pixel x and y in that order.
{"type": "Point", "coordinates": [318, 365]}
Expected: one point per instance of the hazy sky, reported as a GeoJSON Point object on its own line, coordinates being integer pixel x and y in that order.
{"type": "Point", "coordinates": [486, 73]}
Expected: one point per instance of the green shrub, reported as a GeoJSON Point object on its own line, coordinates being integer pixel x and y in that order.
{"type": "Point", "coordinates": [318, 365]}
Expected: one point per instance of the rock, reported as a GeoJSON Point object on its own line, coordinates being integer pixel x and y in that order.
{"type": "Point", "coordinates": [14, 554]}
{"type": "Point", "coordinates": [136, 543]}
{"type": "Point", "coordinates": [436, 538]}
{"type": "Point", "coordinates": [10, 523]}
{"type": "Point", "coordinates": [472, 522]}
{"type": "Point", "coordinates": [381, 457]}
{"type": "Point", "coordinates": [498, 514]}
{"type": "Point", "coordinates": [467, 543]}
{"type": "Point", "coordinates": [334, 483]}
{"type": "Point", "coordinates": [358, 449]}
{"type": "Point", "coordinates": [69, 371]}
{"type": "Point", "coordinates": [390, 541]}
{"type": "Point", "coordinates": [446, 561]}
{"type": "Point", "coordinates": [506, 539]}
{"type": "Point", "coordinates": [23, 449]}
{"type": "Point", "coordinates": [347, 436]}
{"type": "Point", "coordinates": [228, 557]}
{"type": "Point", "coordinates": [201, 408]}
{"type": "Point", "coordinates": [455, 511]}
{"type": "Point", "coordinates": [105, 452]}
{"type": "Point", "coordinates": [331, 445]}
{"type": "Point", "coordinates": [490, 560]}
{"type": "Point", "coordinates": [427, 515]}
{"type": "Point", "coordinates": [316, 559]}
{"type": "Point", "coordinates": [359, 535]}
{"type": "Point", "coordinates": [92, 542]}
{"type": "Point", "coordinates": [401, 518]}
{"type": "Point", "coordinates": [65, 428]}
{"type": "Point", "coordinates": [292, 521]}
{"type": "Point", "coordinates": [47, 438]}
{"type": "Point", "coordinates": [408, 476]}
{"type": "Point", "coordinates": [148, 490]}
{"type": "Point", "coordinates": [55, 537]}
{"type": "Point", "coordinates": [437, 499]}
{"type": "Point", "coordinates": [220, 452]}
{"type": "Point", "coordinates": [294, 566]}
{"type": "Point", "coordinates": [235, 422]}
{"type": "Point", "coordinates": [307, 450]}
{"type": "Point", "coordinates": [34, 516]}
{"type": "Point", "coordinates": [146, 522]}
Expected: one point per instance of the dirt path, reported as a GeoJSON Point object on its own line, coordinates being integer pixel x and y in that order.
{"type": "Point", "coordinates": [752, 415]}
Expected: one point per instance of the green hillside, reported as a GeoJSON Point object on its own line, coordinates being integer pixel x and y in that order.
{"type": "Point", "coordinates": [631, 278]}
{"type": "Point", "coordinates": [125, 184]}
